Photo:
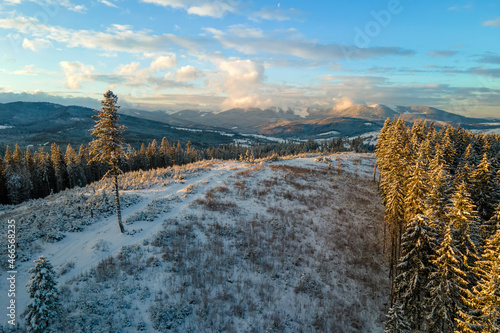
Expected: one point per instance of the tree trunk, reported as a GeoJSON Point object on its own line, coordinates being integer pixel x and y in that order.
{"type": "Point", "coordinates": [117, 197]}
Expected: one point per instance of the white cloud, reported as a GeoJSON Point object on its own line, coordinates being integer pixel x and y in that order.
{"type": "Point", "coordinates": [215, 9]}
{"type": "Point", "coordinates": [27, 70]}
{"type": "Point", "coordinates": [127, 69]}
{"type": "Point", "coordinates": [242, 78]}
{"type": "Point", "coordinates": [130, 74]}
{"type": "Point", "coordinates": [36, 44]}
{"type": "Point", "coordinates": [52, 5]}
{"type": "Point", "coordinates": [122, 38]}
{"type": "Point", "coordinates": [492, 23]}
{"type": "Point", "coordinates": [108, 3]}
{"type": "Point", "coordinates": [214, 32]}
{"type": "Point", "coordinates": [344, 102]}
{"type": "Point", "coordinates": [76, 72]}
{"type": "Point", "coordinates": [275, 14]}
{"type": "Point", "coordinates": [243, 32]}
{"type": "Point", "coordinates": [117, 38]}
{"type": "Point", "coordinates": [168, 3]}
{"type": "Point", "coordinates": [308, 49]}
{"type": "Point", "coordinates": [163, 62]}
{"type": "Point", "coordinates": [78, 8]}
{"type": "Point", "coordinates": [187, 73]}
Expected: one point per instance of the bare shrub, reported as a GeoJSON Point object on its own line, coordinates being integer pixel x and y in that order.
{"type": "Point", "coordinates": [106, 269]}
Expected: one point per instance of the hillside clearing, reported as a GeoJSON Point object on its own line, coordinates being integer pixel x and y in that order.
{"type": "Point", "coordinates": [285, 246]}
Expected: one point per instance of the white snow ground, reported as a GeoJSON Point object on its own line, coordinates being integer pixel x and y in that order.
{"type": "Point", "coordinates": [290, 245]}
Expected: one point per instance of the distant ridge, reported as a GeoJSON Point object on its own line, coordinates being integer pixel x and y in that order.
{"type": "Point", "coordinates": [351, 121]}
{"type": "Point", "coordinates": [41, 123]}
{"type": "Point", "coordinates": [38, 123]}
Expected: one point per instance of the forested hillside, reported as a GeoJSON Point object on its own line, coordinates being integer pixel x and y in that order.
{"type": "Point", "coordinates": [36, 174]}
{"type": "Point", "coordinates": [441, 190]}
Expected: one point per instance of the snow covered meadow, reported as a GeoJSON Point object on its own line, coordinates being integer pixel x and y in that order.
{"type": "Point", "coordinates": [292, 245]}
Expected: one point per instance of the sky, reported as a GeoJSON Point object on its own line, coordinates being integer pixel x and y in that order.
{"type": "Point", "coordinates": [219, 54]}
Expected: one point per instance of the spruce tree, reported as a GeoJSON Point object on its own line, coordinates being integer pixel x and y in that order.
{"type": "Point", "coordinates": [165, 153]}
{"type": "Point", "coordinates": [41, 182]}
{"type": "Point", "coordinates": [153, 154]}
{"type": "Point", "coordinates": [446, 286]}
{"type": "Point", "coordinates": [143, 159]}
{"type": "Point", "coordinates": [439, 195]}
{"type": "Point", "coordinates": [484, 192]}
{"type": "Point", "coordinates": [107, 147]}
{"type": "Point", "coordinates": [61, 172]}
{"type": "Point", "coordinates": [465, 221]}
{"type": "Point", "coordinates": [418, 185]}
{"type": "Point", "coordinates": [396, 321]}
{"type": "Point", "coordinates": [483, 314]}
{"type": "Point", "coordinates": [76, 174]}
{"type": "Point", "coordinates": [17, 179]}
{"type": "Point", "coordinates": [44, 308]}
{"type": "Point", "coordinates": [3, 189]}
{"type": "Point", "coordinates": [415, 266]}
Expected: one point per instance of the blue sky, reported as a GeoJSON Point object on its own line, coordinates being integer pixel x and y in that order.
{"type": "Point", "coordinates": [205, 54]}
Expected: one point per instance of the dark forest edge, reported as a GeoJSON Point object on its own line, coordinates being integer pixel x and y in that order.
{"type": "Point", "coordinates": [441, 190]}
{"type": "Point", "coordinates": [37, 174]}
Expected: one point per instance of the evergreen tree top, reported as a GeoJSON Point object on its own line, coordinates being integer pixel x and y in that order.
{"type": "Point", "coordinates": [107, 147]}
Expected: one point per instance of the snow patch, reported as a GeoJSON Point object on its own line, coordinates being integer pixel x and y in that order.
{"type": "Point", "coordinates": [329, 133]}
{"type": "Point", "coordinates": [487, 131]}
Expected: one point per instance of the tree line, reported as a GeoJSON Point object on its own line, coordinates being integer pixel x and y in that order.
{"type": "Point", "coordinates": [441, 190]}
{"type": "Point", "coordinates": [32, 174]}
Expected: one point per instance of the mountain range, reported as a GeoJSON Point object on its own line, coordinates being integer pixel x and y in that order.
{"type": "Point", "coordinates": [312, 123]}
{"type": "Point", "coordinates": [39, 123]}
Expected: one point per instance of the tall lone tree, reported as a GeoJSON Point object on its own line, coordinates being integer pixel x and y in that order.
{"type": "Point", "coordinates": [107, 147]}
{"type": "Point", "coordinates": [44, 308]}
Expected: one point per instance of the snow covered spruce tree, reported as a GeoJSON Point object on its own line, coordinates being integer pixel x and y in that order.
{"type": "Point", "coordinates": [465, 221]}
{"type": "Point", "coordinates": [484, 300]}
{"type": "Point", "coordinates": [44, 308]}
{"type": "Point", "coordinates": [419, 245]}
{"type": "Point", "coordinates": [107, 147]}
{"type": "Point", "coordinates": [396, 320]}
{"type": "Point", "coordinates": [446, 286]}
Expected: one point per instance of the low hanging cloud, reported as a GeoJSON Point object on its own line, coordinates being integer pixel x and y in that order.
{"type": "Point", "coordinates": [242, 80]}
{"type": "Point", "coordinates": [75, 72]}
{"type": "Point", "coordinates": [344, 102]}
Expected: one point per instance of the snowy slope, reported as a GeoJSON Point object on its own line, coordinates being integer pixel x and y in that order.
{"type": "Point", "coordinates": [220, 245]}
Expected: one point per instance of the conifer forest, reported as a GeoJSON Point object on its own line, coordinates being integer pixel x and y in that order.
{"type": "Point", "coordinates": [36, 174]}
{"type": "Point", "coordinates": [441, 191]}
